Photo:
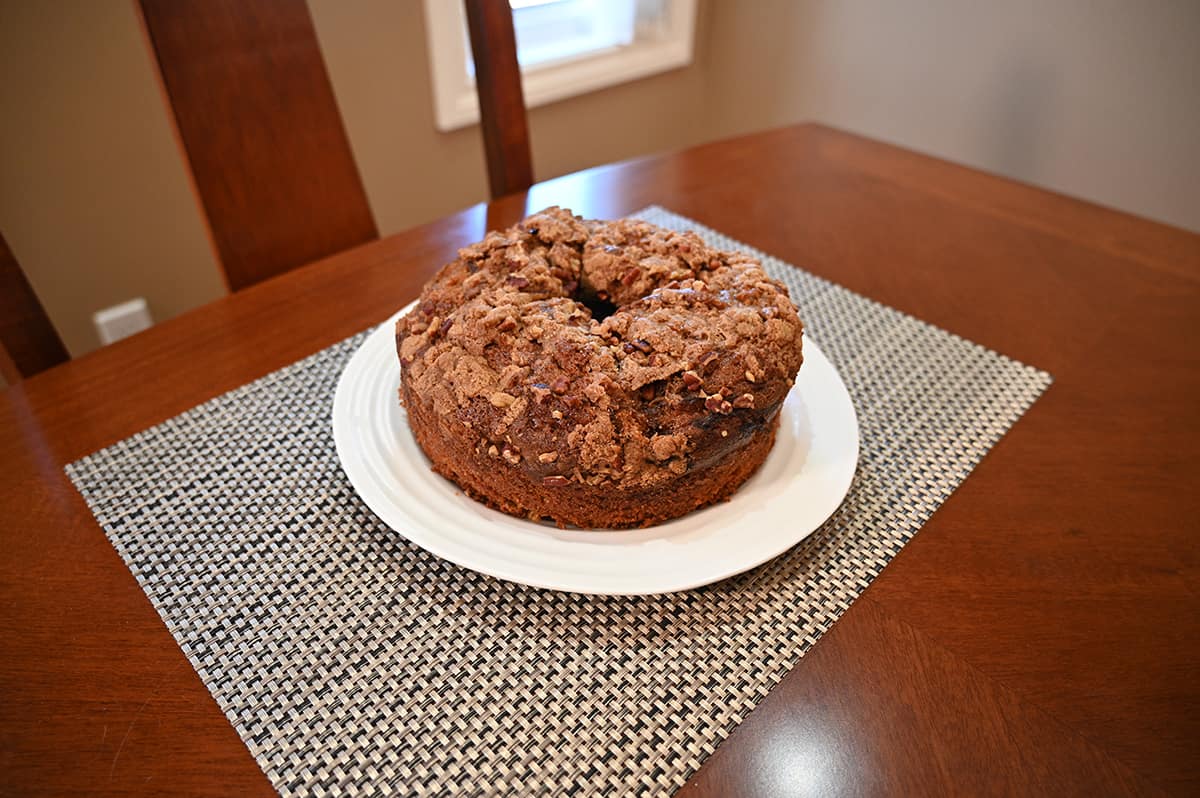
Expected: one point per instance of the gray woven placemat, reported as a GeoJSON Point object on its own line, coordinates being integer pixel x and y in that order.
{"type": "Point", "coordinates": [352, 662]}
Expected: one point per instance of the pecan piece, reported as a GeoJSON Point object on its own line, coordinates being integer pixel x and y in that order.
{"type": "Point", "coordinates": [717, 404]}
{"type": "Point", "coordinates": [555, 481]}
{"type": "Point", "coordinates": [692, 380]}
{"type": "Point", "coordinates": [744, 401]}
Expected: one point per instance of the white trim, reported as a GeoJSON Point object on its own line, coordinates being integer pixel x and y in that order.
{"type": "Point", "coordinates": [456, 105]}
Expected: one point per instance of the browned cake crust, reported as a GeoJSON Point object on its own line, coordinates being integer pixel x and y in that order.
{"type": "Point", "coordinates": [523, 395]}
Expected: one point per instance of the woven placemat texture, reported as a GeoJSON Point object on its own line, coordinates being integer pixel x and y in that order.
{"type": "Point", "coordinates": [352, 662]}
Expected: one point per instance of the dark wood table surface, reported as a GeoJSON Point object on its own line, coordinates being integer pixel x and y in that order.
{"type": "Point", "coordinates": [1041, 635]}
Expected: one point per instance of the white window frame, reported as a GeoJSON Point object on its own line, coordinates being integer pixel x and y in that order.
{"type": "Point", "coordinates": [454, 100]}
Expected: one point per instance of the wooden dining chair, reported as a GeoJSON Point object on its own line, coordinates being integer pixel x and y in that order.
{"type": "Point", "coordinates": [28, 341]}
{"type": "Point", "coordinates": [261, 131]}
{"type": "Point", "coordinates": [502, 112]}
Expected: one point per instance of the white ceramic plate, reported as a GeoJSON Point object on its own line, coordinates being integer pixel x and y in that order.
{"type": "Point", "coordinates": [803, 481]}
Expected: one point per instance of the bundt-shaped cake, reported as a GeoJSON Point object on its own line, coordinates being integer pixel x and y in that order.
{"type": "Point", "coordinates": [600, 374]}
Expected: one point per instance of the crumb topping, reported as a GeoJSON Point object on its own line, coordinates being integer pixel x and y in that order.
{"type": "Point", "coordinates": [699, 349]}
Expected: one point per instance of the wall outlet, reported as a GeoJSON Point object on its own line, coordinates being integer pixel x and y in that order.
{"type": "Point", "coordinates": [123, 320]}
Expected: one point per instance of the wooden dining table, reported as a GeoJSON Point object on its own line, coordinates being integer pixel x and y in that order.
{"type": "Point", "coordinates": [1040, 635]}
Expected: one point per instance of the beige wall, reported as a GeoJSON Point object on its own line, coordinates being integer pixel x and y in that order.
{"type": "Point", "coordinates": [1095, 99]}
{"type": "Point", "coordinates": [94, 198]}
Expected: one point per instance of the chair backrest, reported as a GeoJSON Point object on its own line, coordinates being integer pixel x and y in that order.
{"type": "Point", "coordinates": [261, 131]}
{"type": "Point", "coordinates": [28, 341]}
{"type": "Point", "coordinates": [501, 101]}
{"type": "Point", "coordinates": [259, 124]}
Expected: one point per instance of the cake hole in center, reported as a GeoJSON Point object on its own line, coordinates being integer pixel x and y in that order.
{"type": "Point", "coordinates": [601, 308]}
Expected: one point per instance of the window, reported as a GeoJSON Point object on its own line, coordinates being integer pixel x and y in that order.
{"type": "Point", "coordinates": [565, 47]}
